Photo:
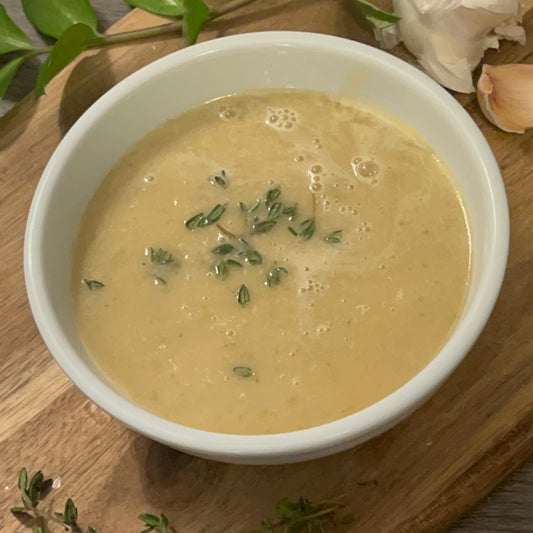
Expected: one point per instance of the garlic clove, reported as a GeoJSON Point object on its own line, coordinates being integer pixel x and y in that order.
{"type": "Point", "coordinates": [505, 94]}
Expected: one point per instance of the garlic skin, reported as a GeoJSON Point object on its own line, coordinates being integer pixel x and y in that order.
{"type": "Point", "coordinates": [449, 37]}
{"type": "Point", "coordinates": [505, 95]}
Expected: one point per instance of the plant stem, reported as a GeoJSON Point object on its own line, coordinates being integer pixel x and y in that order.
{"type": "Point", "coordinates": [117, 39]}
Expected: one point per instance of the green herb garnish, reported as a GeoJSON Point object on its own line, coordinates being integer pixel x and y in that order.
{"type": "Point", "coordinates": [303, 515]}
{"type": "Point", "coordinates": [274, 276]}
{"type": "Point", "coordinates": [307, 228]}
{"type": "Point", "coordinates": [194, 222]}
{"type": "Point", "coordinates": [158, 280]}
{"type": "Point", "coordinates": [263, 226]}
{"type": "Point", "coordinates": [243, 371]}
{"type": "Point", "coordinates": [272, 195]}
{"type": "Point", "coordinates": [249, 254]}
{"type": "Point", "coordinates": [93, 284]}
{"type": "Point", "coordinates": [252, 256]}
{"type": "Point", "coordinates": [334, 237]}
{"type": "Point", "coordinates": [160, 256]}
{"type": "Point", "coordinates": [214, 214]}
{"type": "Point", "coordinates": [201, 221]}
{"type": "Point", "coordinates": [293, 231]}
{"type": "Point", "coordinates": [221, 179]}
{"type": "Point", "coordinates": [275, 211]}
{"type": "Point", "coordinates": [255, 207]}
{"type": "Point", "coordinates": [244, 296]}
{"type": "Point", "coordinates": [221, 269]}
{"type": "Point", "coordinates": [289, 211]}
{"type": "Point", "coordinates": [223, 249]}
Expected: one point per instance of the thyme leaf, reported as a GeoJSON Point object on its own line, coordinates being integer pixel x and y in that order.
{"type": "Point", "coordinates": [160, 256]}
{"type": "Point", "coordinates": [252, 256]}
{"type": "Point", "coordinates": [158, 280]}
{"type": "Point", "coordinates": [275, 211]}
{"type": "Point", "coordinates": [221, 269]}
{"type": "Point", "coordinates": [93, 284]}
{"type": "Point", "coordinates": [221, 179]}
{"type": "Point", "coordinates": [244, 296]}
{"type": "Point", "coordinates": [201, 221]}
{"type": "Point", "coordinates": [274, 276]}
{"type": "Point", "coordinates": [272, 195]}
{"type": "Point", "coordinates": [289, 211]}
{"type": "Point", "coordinates": [264, 226]}
{"type": "Point", "coordinates": [243, 371]}
{"type": "Point", "coordinates": [307, 228]}
{"type": "Point", "coordinates": [334, 237]}
{"type": "Point", "coordinates": [223, 249]}
{"type": "Point", "coordinates": [194, 222]}
{"type": "Point", "coordinates": [214, 214]}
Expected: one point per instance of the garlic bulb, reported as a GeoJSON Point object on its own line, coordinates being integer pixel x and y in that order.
{"type": "Point", "coordinates": [505, 94]}
{"type": "Point", "coordinates": [449, 37]}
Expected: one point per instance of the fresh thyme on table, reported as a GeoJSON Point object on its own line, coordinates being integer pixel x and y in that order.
{"type": "Point", "coordinates": [293, 516]}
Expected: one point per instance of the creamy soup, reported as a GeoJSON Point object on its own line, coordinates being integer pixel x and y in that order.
{"type": "Point", "coordinates": [269, 262]}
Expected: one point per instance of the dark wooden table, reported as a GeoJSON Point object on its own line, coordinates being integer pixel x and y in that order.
{"type": "Point", "coordinates": [509, 507]}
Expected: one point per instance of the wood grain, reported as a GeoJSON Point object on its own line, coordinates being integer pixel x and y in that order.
{"type": "Point", "coordinates": [425, 472]}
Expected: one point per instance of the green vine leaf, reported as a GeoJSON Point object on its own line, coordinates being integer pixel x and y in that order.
{"type": "Point", "coordinates": [376, 16]}
{"type": "Point", "coordinates": [72, 42]}
{"type": "Point", "coordinates": [54, 17]}
{"type": "Point", "coordinates": [11, 36]}
{"type": "Point", "coordinates": [165, 8]}
{"type": "Point", "coordinates": [195, 15]}
{"type": "Point", "coordinates": [8, 71]}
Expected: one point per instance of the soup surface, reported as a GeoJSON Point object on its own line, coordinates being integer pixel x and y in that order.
{"type": "Point", "coordinates": [270, 261]}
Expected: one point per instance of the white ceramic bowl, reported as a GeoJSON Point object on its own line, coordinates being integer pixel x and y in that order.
{"type": "Point", "coordinates": [220, 67]}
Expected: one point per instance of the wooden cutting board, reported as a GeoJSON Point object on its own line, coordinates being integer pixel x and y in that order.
{"type": "Point", "coordinates": [420, 476]}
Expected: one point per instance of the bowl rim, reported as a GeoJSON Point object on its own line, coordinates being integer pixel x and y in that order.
{"type": "Point", "coordinates": [301, 444]}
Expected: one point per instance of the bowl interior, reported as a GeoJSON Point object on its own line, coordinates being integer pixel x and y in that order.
{"type": "Point", "coordinates": [225, 66]}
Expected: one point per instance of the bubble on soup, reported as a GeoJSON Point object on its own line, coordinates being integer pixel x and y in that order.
{"type": "Point", "coordinates": [227, 112]}
{"type": "Point", "coordinates": [366, 171]}
{"type": "Point", "coordinates": [281, 118]}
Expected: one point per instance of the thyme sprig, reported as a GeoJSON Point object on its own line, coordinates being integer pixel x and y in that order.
{"type": "Point", "coordinates": [33, 491]}
{"type": "Point", "coordinates": [302, 515]}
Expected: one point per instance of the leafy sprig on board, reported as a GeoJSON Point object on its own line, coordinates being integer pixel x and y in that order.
{"type": "Point", "coordinates": [73, 25]}
{"type": "Point", "coordinates": [305, 516]}
{"type": "Point", "coordinates": [293, 515]}
{"type": "Point", "coordinates": [34, 489]}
